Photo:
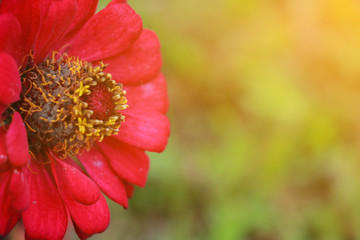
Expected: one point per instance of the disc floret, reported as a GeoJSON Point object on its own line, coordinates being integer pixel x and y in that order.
{"type": "Point", "coordinates": [67, 104]}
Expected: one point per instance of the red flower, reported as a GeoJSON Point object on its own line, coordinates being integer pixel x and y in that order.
{"type": "Point", "coordinates": [67, 129]}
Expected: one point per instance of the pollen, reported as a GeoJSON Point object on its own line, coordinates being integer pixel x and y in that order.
{"type": "Point", "coordinates": [68, 104]}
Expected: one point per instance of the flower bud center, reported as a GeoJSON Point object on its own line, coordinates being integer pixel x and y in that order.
{"type": "Point", "coordinates": [67, 104]}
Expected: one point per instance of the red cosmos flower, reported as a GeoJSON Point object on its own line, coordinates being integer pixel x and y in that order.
{"type": "Point", "coordinates": [81, 100]}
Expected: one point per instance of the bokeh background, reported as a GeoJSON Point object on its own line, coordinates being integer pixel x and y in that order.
{"type": "Point", "coordinates": [265, 111]}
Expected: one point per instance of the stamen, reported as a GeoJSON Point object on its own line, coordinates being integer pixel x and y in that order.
{"type": "Point", "coordinates": [67, 105]}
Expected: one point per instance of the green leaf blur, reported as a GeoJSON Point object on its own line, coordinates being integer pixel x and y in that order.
{"type": "Point", "coordinates": [264, 104]}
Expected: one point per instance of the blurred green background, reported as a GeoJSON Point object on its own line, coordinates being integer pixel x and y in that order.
{"type": "Point", "coordinates": [264, 104]}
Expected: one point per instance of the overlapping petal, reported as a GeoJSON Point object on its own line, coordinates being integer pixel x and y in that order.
{"type": "Point", "coordinates": [16, 142]}
{"type": "Point", "coordinates": [110, 32]}
{"type": "Point", "coordinates": [151, 95]}
{"type": "Point", "coordinates": [30, 14]}
{"type": "Point", "coordinates": [148, 130]}
{"type": "Point", "coordinates": [129, 163]}
{"type": "Point", "coordinates": [99, 170]}
{"type": "Point", "coordinates": [19, 190]}
{"type": "Point", "coordinates": [88, 219]}
{"type": "Point", "coordinates": [46, 217]}
{"type": "Point", "coordinates": [140, 63]}
{"type": "Point", "coordinates": [10, 33]}
{"type": "Point", "coordinates": [117, 1]}
{"type": "Point", "coordinates": [8, 215]}
{"type": "Point", "coordinates": [81, 187]}
{"type": "Point", "coordinates": [4, 163]}
{"type": "Point", "coordinates": [85, 10]}
{"type": "Point", "coordinates": [129, 189]}
{"type": "Point", "coordinates": [56, 22]}
{"type": "Point", "coordinates": [9, 80]}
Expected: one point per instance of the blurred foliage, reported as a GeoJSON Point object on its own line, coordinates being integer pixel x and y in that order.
{"type": "Point", "coordinates": [264, 104]}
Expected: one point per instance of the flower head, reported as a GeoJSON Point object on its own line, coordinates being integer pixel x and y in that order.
{"type": "Point", "coordinates": [81, 100]}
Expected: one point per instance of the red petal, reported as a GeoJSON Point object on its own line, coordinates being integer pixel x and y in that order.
{"type": "Point", "coordinates": [8, 216]}
{"type": "Point", "coordinates": [128, 162]}
{"type": "Point", "coordinates": [46, 217]}
{"type": "Point", "coordinates": [129, 190]}
{"type": "Point", "coordinates": [54, 26]}
{"type": "Point", "coordinates": [29, 13]}
{"type": "Point", "coordinates": [87, 219]}
{"type": "Point", "coordinates": [117, 1]}
{"type": "Point", "coordinates": [140, 63]}
{"type": "Point", "coordinates": [19, 191]}
{"type": "Point", "coordinates": [82, 188]}
{"type": "Point", "coordinates": [100, 171]}
{"type": "Point", "coordinates": [151, 95]}
{"type": "Point", "coordinates": [3, 153]}
{"type": "Point", "coordinates": [109, 32]}
{"type": "Point", "coordinates": [85, 10]}
{"type": "Point", "coordinates": [9, 81]}
{"type": "Point", "coordinates": [10, 33]}
{"type": "Point", "coordinates": [17, 143]}
{"type": "Point", "coordinates": [148, 130]}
